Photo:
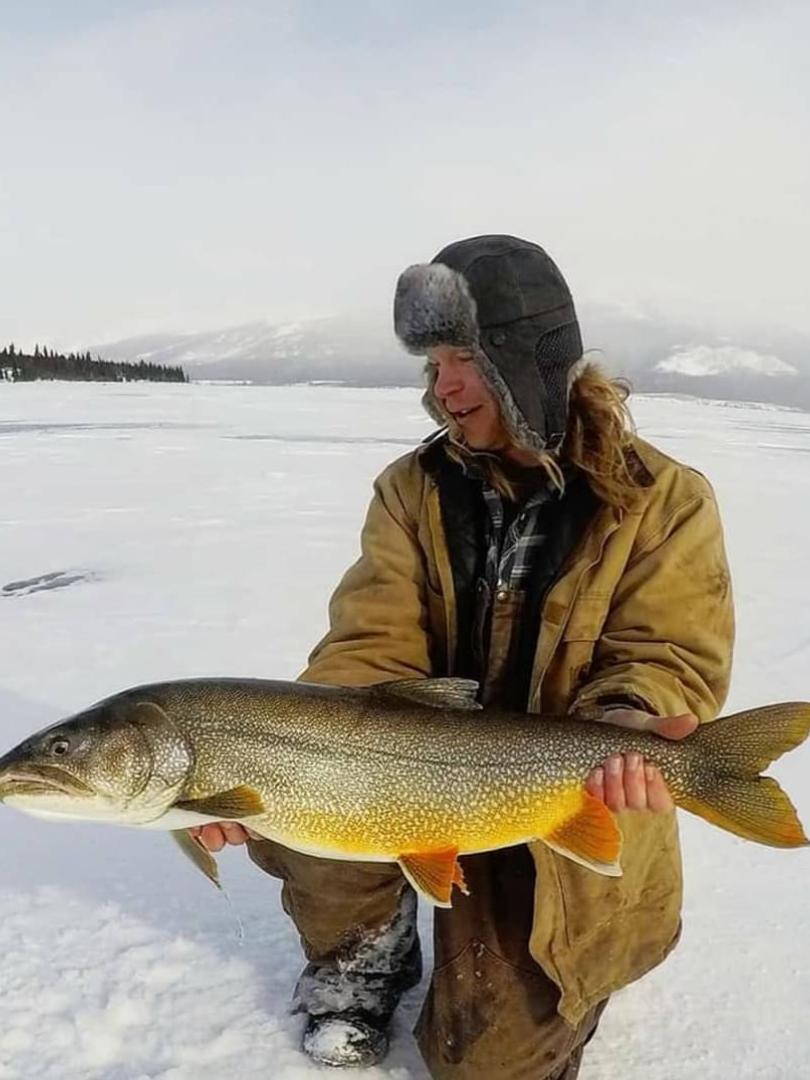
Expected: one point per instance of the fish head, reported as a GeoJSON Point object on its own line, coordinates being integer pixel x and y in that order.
{"type": "Point", "coordinates": [122, 761]}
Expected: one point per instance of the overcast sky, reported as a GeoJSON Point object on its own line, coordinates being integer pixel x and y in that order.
{"type": "Point", "coordinates": [185, 166]}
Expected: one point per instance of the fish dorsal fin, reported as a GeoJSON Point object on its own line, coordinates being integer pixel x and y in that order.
{"type": "Point", "coordinates": [434, 873]}
{"type": "Point", "coordinates": [238, 802]}
{"type": "Point", "coordinates": [590, 836]}
{"type": "Point", "coordinates": [435, 693]}
{"type": "Point", "coordinates": [199, 854]}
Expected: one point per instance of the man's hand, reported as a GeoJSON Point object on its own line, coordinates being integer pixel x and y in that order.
{"type": "Point", "coordinates": [627, 781]}
{"type": "Point", "coordinates": [216, 835]}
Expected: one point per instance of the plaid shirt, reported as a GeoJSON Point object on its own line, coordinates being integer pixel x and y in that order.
{"type": "Point", "coordinates": [511, 549]}
{"type": "Point", "coordinates": [514, 537]}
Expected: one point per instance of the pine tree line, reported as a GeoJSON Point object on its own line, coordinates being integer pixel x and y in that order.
{"type": "Point", "coordinates": [44, 363]}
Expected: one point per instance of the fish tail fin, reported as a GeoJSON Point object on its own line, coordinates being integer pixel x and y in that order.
{"type": "Point", "coordinates": [730, 792]}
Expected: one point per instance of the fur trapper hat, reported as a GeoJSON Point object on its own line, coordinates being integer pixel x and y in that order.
{"type": "Point", "coordinates": [504, 299]}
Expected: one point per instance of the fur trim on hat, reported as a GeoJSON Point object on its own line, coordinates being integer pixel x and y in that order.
{"type": "Point", "coordinates": [519, 431]}
{"type": "Point", "coordinates": [433, 306]}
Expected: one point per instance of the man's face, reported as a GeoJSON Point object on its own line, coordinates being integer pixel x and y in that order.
{"type": "Point", "coordinates": [462, 391]}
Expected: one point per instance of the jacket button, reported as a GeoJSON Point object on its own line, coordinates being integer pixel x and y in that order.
{"type": "Point", "coordinates": [498, 338]}
{"type": "Point", "coordinates": [501, 595]}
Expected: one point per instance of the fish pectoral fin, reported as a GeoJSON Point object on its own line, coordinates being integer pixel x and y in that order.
{"type": "Point", "coordinates": [435, 693]}
{"type": "Point", "coordinates": [238, 802]}
{"type": "Point", "coordinates": [199, 854]}
{"type": "Point", "coordinates": [590, 837]}
{"type": "Point", "coordinates": [434, 873]}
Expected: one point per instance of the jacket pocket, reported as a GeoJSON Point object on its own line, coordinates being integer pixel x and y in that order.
{"type": "Point", "coordinates": [587, 619]}
{"type": "Point", "coordinates": [579, 639]}
{"type": "Point", "coordinates": [595, 933]}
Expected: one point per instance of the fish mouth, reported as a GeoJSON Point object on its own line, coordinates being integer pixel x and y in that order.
{"type": "Point", "coordinates": [44, 780]}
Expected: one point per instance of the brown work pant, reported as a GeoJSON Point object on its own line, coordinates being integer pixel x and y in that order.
{"type": "Point", "coordinates": [490, 1011]}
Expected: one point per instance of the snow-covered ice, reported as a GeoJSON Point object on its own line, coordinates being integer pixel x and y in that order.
{"type": "Point", "coordinates": [153, 532]}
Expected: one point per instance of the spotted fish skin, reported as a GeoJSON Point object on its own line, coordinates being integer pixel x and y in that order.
{"type": "Point", "coordinates": [368, 775]}
{"type": "Point", "coordinates": [382, 774]}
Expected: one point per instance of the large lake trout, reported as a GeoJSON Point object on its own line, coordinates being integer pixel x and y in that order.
{"type": "Point", "coordinates": [412, 772]}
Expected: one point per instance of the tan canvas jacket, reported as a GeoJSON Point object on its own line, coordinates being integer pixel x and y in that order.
{"type": "Point", "coordinates": [643, 607]}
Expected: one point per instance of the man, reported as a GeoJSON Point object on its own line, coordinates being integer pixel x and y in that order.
{"type": "Point", "coordinates": [535, 545]}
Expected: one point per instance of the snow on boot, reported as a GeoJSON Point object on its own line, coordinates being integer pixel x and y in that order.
{"type": "Point", "coordinates": [351, 1039]}
{"type": "Point", "coordinates": [372, 975]}
{"type": "Point", "coordinates": [350, 998]}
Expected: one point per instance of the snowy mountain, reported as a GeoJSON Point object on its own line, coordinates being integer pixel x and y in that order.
{"type": "Point", "coordinates": [699, 360]}
{"type": "Point", "coordinates": [360, 351]}
{"type": "Point", "coordinates": [733, 373]}
{"type": "Point", "coordinates": [657, 355]}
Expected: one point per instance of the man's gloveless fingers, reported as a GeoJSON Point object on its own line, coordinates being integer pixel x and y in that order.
{"type": "Point", "coordinates": [635, 782]}
{"type": "Point", "coordinates": [217, 834]}
{"type": "Point", "coordinates": [614, 783]}
{"type": "Point", "coordinates": [658, 796]}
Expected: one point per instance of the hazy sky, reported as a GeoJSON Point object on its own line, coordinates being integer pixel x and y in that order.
{"type": "Point", "coordinates": [185, 166]}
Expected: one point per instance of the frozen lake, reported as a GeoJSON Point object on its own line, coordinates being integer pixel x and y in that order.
{"type": "Point", "coordinates": [155, 532]}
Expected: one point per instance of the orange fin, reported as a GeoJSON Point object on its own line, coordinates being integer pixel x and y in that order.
{"type": "Point", "coordinates": [730, 793]}
{"type": "Point", "coordinates": [590, 837]}
{"type": "Point", "coordinates": [756, 809]}
{"type": "Point", "coordinates": [434, 873]}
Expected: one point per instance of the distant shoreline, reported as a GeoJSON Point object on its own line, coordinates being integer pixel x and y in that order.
{"type": "Point", "coordinates": [330, 384]}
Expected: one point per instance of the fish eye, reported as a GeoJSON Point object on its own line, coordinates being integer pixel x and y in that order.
{"type": "Point", "coordinates": [59, 747]}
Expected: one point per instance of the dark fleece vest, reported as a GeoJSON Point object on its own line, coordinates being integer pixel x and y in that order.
{"type": "Point", "coordinates": [464, 516]}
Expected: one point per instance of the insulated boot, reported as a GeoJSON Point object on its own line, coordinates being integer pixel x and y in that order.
{"type": "Point", "coordinates": [351, 998]}
{"type": "Point", "coordinates": [351, 1039]}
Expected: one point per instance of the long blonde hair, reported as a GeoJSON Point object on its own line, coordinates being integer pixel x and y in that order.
{"type": "Point", "coordinates": [596, 442]}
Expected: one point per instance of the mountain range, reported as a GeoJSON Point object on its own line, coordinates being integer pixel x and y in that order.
{"type": "Point", "coordinates": [657, 355]}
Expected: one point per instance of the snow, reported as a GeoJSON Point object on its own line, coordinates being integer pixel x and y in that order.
{"type": "Point", "coordinates": [698, 360]}
{"type": "Point", "coordinates": [198, 530]}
